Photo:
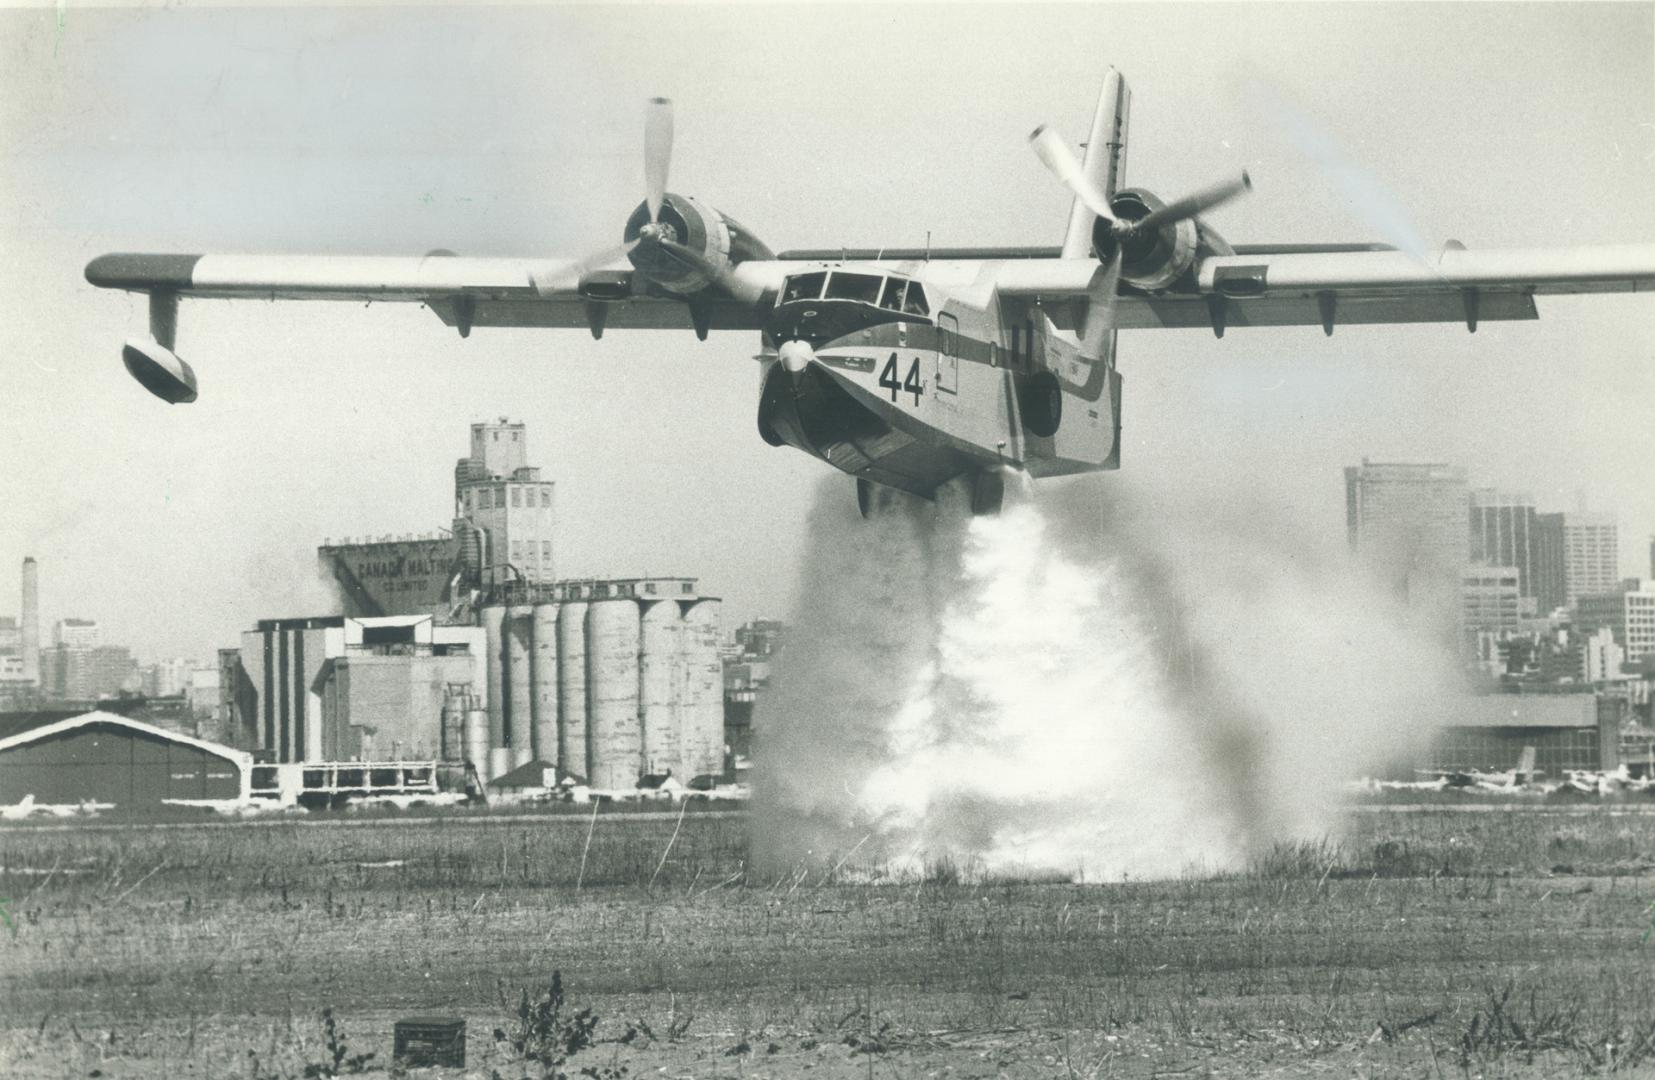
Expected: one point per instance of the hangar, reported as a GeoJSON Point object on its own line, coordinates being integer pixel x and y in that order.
{"type": "Point", "coordinates": [105, 758]}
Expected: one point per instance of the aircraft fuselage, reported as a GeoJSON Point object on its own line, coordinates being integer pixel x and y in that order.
{"type": "Point", "coordinates": [909, 381]}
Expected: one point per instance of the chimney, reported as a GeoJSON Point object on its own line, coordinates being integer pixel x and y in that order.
{"type": "Point", "coordinates": [31, 621]}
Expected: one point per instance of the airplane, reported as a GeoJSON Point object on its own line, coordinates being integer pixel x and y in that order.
{"type": "Point", "coordinates": [910, 369]}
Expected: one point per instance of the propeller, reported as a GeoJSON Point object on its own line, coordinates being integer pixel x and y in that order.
{"type": "Point", "coordinates": [1057, 156]}
{"type": "Point", "coordinates": [553, 278]}
{"type": "Point", "coordinates": [560, 277]}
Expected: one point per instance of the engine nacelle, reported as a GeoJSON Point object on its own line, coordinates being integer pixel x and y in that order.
{"type": "Point", "coordinates": [1156, 258]}
{"type": "Point", "coordinates": [159, 370]}
{"type": "Point", "coordinates": [719, 239]}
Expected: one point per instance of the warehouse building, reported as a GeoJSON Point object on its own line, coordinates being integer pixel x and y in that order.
{"type": "Point", "coordinates": [101, 757]}
{"type": "Point", "coordinates": [1567, 731]}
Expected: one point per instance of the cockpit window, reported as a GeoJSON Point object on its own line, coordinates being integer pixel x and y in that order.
{"type": "Point", "coordinates": [893, 294]}
{"type": "Point", "coordinates": [863, 287]}
{"type": "Point", "coordinates": [803, 287]}
{"type": "Point", "coordinates": [915, 304]}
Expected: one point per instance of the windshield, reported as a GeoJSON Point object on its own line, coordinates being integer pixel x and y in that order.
{"type": "Point", "coordinates": [803, 287]}
{"type": "Point", "coordinates": [863, 287]}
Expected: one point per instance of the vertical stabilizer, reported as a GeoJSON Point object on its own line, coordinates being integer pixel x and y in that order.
{"type": "Point", "coordinates": [1105, 160]}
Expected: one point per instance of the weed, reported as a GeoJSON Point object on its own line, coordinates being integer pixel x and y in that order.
{"type": "Point", "coordinates": [545, 1034]}
{"type": "Point", "coordinates": [340, 1059]}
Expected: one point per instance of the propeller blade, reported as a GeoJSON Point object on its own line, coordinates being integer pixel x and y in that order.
{"type": "Point", "coordinates": [1057, 156]}
{"type": "Point", "coordinates": [1367, 196]}
{"type": "Point", "coordinates": [722, 276]}
{"type": "Point", "coordinates": [563, 276]}
{"type": "Point", "coordinates": [657, 153]}
{"type": "Point", "coordinates": [1196, 203]}
{"type": "Point", "coordinates": [1101, 294]}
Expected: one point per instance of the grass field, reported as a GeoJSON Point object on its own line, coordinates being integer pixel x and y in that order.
{"type": "Point", "coordinates": [1441, 943]}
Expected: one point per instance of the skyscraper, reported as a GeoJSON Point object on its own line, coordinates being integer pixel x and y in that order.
{"type": "Point", "coordinates": [1503, 534]}
{"type": "Point", "coordinates": [1579, 555]}
{"type": "Point", "coordinates": [1410, 525]}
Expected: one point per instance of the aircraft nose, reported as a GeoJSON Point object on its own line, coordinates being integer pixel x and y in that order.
{"type": "Point", "coordinates": [796, 356]}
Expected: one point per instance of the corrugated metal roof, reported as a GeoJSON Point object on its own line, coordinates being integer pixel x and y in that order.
{"type": "Point", "coordinates": [19, 722]}
{"type": "Point", "coordinates": [50, 724]}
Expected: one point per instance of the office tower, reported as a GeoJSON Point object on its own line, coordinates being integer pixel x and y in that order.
{"type": "Point", "coordinates": [1410, 526]}
{"type": "Point", "coordinates": [1503, 533]}
{"type": "Point", "coordinates": [1579, 555]}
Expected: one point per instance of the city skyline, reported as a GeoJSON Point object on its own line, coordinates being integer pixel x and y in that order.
{"type": "Point", "coordinates": [175, 527]}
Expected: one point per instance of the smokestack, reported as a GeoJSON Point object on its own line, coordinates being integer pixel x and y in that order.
{"type": "Point", "coordinates": [31, 620]}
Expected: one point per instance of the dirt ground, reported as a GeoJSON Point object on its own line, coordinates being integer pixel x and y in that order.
{"type": "Point", "coordinates": [1419, 945]}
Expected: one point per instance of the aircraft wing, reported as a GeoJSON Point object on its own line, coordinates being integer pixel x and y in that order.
{"type": "Point", "coordinates": [1297, 288]}
{"type": "Point", "coordinates": [464, 292]}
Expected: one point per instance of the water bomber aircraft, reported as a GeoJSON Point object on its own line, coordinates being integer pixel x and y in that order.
{"type": "Point", "coordinates": [909, 369]}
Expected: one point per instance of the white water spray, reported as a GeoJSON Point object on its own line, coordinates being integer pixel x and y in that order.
{"type": "Point", "coordinates": [1087, 692]}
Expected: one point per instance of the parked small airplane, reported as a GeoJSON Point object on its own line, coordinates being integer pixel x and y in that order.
{"type": "Point", "coordinates": [910, 368]}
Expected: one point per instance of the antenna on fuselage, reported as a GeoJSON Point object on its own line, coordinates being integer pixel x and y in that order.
{"type": "Point", "coordinates": [927, 245]}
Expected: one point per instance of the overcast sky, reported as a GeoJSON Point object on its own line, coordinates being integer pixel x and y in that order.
{"type": "Point", "coordinates": [395, 131]}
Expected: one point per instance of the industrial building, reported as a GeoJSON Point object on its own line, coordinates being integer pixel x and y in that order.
{"type": "Point", "coordinates": [395, 575]}
{"type": "Point", "coordinates": [464, 646]}
{"type": "Point", "coordinates": [503, 507]}
{"type": "Point", "coordinates": [63, 758]}
{"type": "Point", "coordinates": [335, 688]}
{"type": "Point", "coordinates": [503, 522]}
{"type": "Point", "coordinates": [605, 680]}
{"type": "Point", "coordinates": [608, 680]}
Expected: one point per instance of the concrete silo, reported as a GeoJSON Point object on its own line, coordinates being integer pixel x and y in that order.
{"type": "Point", "coordinates": [476, 739]}
{"type": "Point", "coordinates": [493, 619]}
{"type": "Point", "coordinates": [571, 688]}
{"type": "Point", "coordinates": [701, 710]}
{"type": "Point", "coordinates": [660, 685]}
{"type": "Point", "coordinates": [612, 692]}
{"type": "Point", "coordinates": [456, 702]}
{"type": "Point", "coordinates": [543, 678]}
{"type": "Point", "coordinates": [519, 682]}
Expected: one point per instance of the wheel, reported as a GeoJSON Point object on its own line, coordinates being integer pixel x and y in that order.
{"type": "Point", "coordinates": [1040, 401]}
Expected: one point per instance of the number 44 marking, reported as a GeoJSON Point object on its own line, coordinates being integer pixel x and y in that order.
{"type": "Point", "coordinates": [911, 384]}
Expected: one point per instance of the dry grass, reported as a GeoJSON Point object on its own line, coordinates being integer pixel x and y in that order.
{"type": "Point", "coordinates": [1455, 942]}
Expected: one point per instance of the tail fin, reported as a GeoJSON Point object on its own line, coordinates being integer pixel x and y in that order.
{"type": "Point", "coordinates": [1105, 160]}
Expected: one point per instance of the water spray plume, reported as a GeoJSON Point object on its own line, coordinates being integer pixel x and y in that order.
{"type": "Point", "coordinates": [1066, 692]}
